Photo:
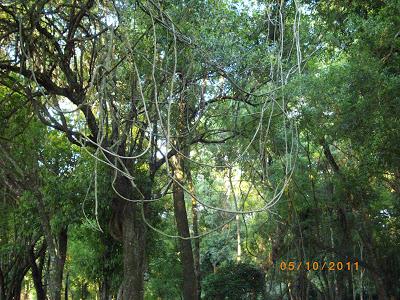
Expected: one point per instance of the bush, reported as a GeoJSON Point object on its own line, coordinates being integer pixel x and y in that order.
{"type": "Point", "coordinates": [234, 281]}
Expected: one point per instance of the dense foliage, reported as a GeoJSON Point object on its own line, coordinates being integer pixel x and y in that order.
{"type": "Point", "coordinates": [199, 149]}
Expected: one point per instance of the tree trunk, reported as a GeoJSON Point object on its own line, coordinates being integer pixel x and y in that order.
{"type": "Point", "coordinates": [133, 245]}
{"type": "Point", "coordinates": [128, 227]}
{"type": "Point", "coordinates": [57, 262]}
{"type": "Point", "coordinates": [36, 276]}
{"type": "Point", "coordinates": [57, 246]}
{"type": "Point", "coordinates": [11, 281]}
{"type": "Point", "coordinates": [189, 277]}
{"type": "Point", "coordinates": [190, 284]}
{"type": "Point", "coordinates": [2, 286]}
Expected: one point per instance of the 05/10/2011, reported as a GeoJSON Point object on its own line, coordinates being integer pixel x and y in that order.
{"type": "Point", "coordinates": [319, 266]}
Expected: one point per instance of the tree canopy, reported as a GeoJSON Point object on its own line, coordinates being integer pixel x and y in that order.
{"type": "Point", "coordinates": [208, 149]}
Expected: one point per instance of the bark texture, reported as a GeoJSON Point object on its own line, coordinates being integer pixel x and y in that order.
{"type": "Point", "coordinates": [127, 226]}
{"type": "Point", "coordinates": [190, 285]}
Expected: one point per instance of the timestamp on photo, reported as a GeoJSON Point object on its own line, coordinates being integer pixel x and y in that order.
{"type": "Point", "coordinates": [319, 265]}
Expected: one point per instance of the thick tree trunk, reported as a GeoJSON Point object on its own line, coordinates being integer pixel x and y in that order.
{"type": "Point", "coordinates": [133, 244]}
{"type": "Point", "coordinates": [128, 227]}
{"type": "Point", "coordinates": [190, 291]}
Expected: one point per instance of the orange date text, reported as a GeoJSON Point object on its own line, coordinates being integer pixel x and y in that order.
{"type": "Point", "coordinates": [319, 266]}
